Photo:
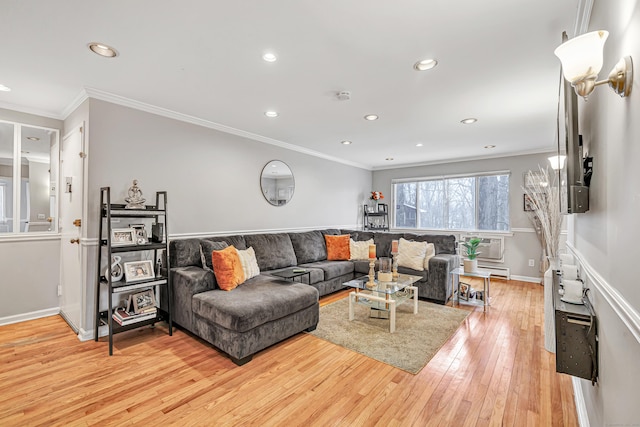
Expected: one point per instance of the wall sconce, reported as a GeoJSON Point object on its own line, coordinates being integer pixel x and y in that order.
{"type": "Point", "coordinates": [581, 59]}
{"type": "Point", "coordinates": [557, 162]}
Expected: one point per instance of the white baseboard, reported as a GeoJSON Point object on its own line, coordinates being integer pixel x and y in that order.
{"type": "Point", "coordinates": [8, 320]}
{"type": "Point", "coordinates": [526, 279]}
{"type": "Point", "coordinates": [581, 407]}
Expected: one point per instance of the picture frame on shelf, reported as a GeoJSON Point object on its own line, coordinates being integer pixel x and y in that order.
{"type": "Point", "coordinates": [382, 207]}
{"type": "Point", "coordinates": [463, 291]}
{"type": "Point", "coordinates": [142, 302]}
{"type": "Point", "coordinates": [136, 271]}
{"type": "Point", "coordinates": [123, 236]}
{"type": "Point", "coordinates": [141, 234]}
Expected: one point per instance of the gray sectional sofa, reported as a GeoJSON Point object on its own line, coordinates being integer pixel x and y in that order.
{"type": "Point", "coordinates": [266, 309]}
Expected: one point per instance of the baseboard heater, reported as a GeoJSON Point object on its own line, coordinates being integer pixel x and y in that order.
{"type": "Point", "coordinates": [503, 272]}
{"type": "Point", "coordinates": [497, 271]}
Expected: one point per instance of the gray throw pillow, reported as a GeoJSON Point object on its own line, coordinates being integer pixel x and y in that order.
{"type": "Point", "coordinates": [206, 247]}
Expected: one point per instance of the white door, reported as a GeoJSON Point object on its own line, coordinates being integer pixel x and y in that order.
{"type": "Point", "coordinates": [71, 190]}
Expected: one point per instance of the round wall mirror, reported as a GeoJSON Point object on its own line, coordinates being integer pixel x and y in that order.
{"type": "Point", "coordinates": [276, 182]}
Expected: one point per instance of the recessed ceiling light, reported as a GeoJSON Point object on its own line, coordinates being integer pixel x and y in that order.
{"type": "Point", "coordinates": [103, 50]}
{"type": "Point", "coordinates": [419, 144]}
{"type": "Point", "coordinates": [489, 146]}
{"type": "Point", "coordinates": [425, 64]}
{"type": "Point", "coordinates": [33, 138]}
{"type": "Point", "coordinates": [389, 158]}
{"type": "Point", "coordinates": [371, 117]}
{"type": "Point", "coordinates": [271, 113]}
{"type": "Point", "coordinates": [346, 142]}
{"type": "Point", "coordinates": [270, 57]}
{"type": "Point", "coordinates": [468, 121]}
{"type": "Point", "coordinates": [4, 88]}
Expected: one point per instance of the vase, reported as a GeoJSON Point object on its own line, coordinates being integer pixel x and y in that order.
{"type": "Point", "coordinates": [373, 205]}
{"type": "Point", "coordinates": [549, 311]}
{"type": "Point", "coordinates": [470, 265]}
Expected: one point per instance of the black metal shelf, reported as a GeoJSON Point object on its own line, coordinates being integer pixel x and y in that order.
{"type": "Point", "coordinates": [379, 218]}
{"type": "Point", "coordinates": [158, 284]}
{"type": "Point", "coordinates": [118, 287]}
{"type": "Point", "coordinates": [133, 248]}
{"type": "Point", "coordinates": [117, 328]}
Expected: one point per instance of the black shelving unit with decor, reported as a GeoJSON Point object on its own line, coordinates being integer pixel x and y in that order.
{"type": "Point", "coordinates": [161, 282]}
{"type": "Point", "coordinates": [376, 218]}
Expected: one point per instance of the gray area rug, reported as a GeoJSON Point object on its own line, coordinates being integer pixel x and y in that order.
{"type": "Point", "coordinates": [417, 338]}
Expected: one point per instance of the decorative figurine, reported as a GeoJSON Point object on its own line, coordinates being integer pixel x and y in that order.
{"type": "Point", "coordinates": [135, 199]}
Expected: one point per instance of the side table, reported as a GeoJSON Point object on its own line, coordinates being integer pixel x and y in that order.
{"type": "Point", "coordinates": [486, 279]}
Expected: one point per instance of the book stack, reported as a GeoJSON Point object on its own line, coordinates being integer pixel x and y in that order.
{"type": "Point", "coordinates": [124, 317]}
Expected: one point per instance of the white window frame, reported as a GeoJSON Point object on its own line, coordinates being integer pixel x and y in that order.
{"type": "Point", "coordinates": [446, 207]}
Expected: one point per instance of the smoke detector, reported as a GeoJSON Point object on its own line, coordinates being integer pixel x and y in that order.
{"type": "Point", "coordinates": [344, 95]}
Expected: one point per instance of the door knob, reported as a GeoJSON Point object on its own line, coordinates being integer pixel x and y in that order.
{"type": "Point", "coordinates": [75, 241]}
{"type": "Point", "coordinates": [77, 222]}
{"type": "Point", "coordinates": [50, 219]}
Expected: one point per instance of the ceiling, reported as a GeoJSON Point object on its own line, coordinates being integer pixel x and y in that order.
{"type": "Point", "coordinates": [203, 60]}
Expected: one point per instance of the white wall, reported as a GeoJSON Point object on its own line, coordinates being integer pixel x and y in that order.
{"type": "Point", "coordinates": [523, 244]}
{"type": "Point", "coordinates": [29, 265]}
{"type": "Point", "coordinates": [212, 179]}
{"type": "Point", "coordinates": [606, 238]}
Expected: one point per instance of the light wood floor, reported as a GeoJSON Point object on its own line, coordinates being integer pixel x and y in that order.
{"type": "Point", "coordinates": [493, 371]}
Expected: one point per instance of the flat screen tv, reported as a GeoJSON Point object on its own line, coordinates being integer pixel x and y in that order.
{"type": "Point", "coordinates": [574, 194]}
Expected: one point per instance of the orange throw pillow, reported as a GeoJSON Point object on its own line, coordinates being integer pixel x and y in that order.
{"type": "Point", "coordinates": [338, 247]}
{"type": "Point", "coordinates": [227, 268]}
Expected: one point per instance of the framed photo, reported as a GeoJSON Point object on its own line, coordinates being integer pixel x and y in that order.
{"type": "Point", "coordinates": [464, 291]}
{"type": "Point", "coordinates": [382, 207]}
{"type": "Point", "coordinates": [142, 302]}
{"type": "Point", "coordinates": [123, 236]}
{"type": "Point", "coordinates": [141, 236]}
{"type": "Point", "coordinates": [138, 270]}
{"type": "Point", "coordinates": [527, 203]}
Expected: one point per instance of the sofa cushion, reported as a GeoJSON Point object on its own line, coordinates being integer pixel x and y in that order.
{"type": "Point", "coordinates": [445, 244]}
{"type": "Point", "coordinates": [337, 247]}
{"type": "Point", "coordinates": [259, 300]}
{"type": "Point", "coordinates": [383, 243]}
{"type": "Point", "coordinates": [206, 248]}
{"type": "Point", "coordinates": [411, 254]}
{"type": "Point", "coordinates": [227, 268]}
{"type": "Point", "coordinates": [309, 246]}
{"type": "Point", "coordinates": [332, 269]}
{"type": "Point", "coordinates": [359, 250]}
{"type": "Point", "coordinates": [272, 250]}
{"type": "Point", "coordinates": [185, 252]}
{"type": "Point", "coordinates": [248, 262]}
{"type": "Point", "coordinates": [431, 252]}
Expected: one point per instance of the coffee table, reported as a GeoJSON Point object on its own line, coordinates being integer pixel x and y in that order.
{"type": "Point", "coordinates": [383, 296]}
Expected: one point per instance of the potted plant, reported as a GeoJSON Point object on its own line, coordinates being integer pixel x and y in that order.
{"type": "Point", "coordinates": [471, 250]}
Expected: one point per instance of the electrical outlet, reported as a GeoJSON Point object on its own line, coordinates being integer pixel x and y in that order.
{"type": "Point", "coordinates": [59, 290]}
{"type": "Point", "coordinates": [532, 263]}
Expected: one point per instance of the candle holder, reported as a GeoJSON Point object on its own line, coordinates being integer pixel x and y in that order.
{"type": "Point", "coordinates": [372, 274]}
{"type": "Point", "coordinates": [394, 266]}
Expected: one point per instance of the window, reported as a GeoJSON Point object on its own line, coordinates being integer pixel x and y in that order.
{"type": "Point", "coordinates": [474, 202]}
{"type": "Point", "coordinates": [26, 177]}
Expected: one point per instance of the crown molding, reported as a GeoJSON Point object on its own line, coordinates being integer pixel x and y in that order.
{"type": "Point", "coordinates": [29, 110]}
{"type": "Point", "coordinates": [465, 159]}
{"type": "Point", "coordinates": [89, 92]}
